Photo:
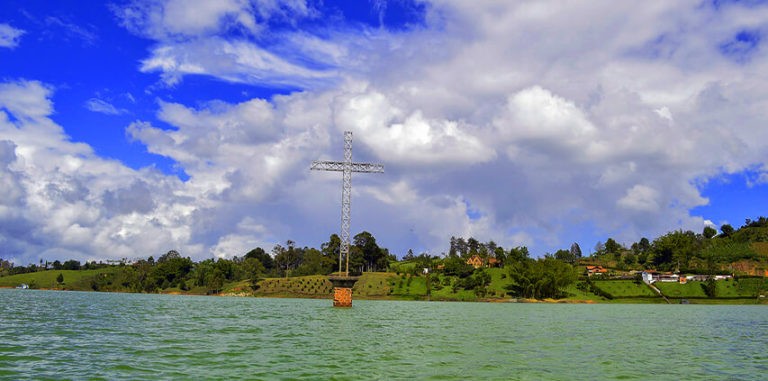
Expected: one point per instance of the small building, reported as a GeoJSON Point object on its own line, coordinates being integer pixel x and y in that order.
{"type": "Point", "coordinates": [493, 262]}
{"type": "Point", "coordinates": [475, 261]}
{"type": "Point", "coordinates": [596, 270]}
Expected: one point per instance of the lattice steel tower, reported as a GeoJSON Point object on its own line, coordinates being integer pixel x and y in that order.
{"type": "Point", "coordinates": [346, 167]}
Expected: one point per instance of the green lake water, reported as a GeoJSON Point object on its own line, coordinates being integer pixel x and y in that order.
{"type": "Point", "coordinates": [80, 335]}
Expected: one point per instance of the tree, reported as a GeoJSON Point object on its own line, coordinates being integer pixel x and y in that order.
{"type": "Point", "coordinates": [462, 248]}
{"type": "Point", "coordinates": [599, 248]}
{"type": "Point", "coordinates": [517, 254]}
{"type": "Point", "coordinates": [452, 251]}
{"type": "Point", "coordinates": [215, 281]}
{"type": "Point", "coordinates": [673, 249]}
{"type": "Point", "coordinates": [331, 249]}
{"type": "Point", "coordinates": [457, 266]}
{"type": "Point", "coordinates": [726, 229]}
{"type": "Point", "coordinates": [266, 261]}
{"type": "Point", "coordinates": [253, 269]}
{"type": "Point", "coordinates": [612, 247]}
{"type": "Point", "coordinates": [71, 265]}
{"type": "Point", "coordinates": [314, 262]}
{"type": "Point", "coordinates": [566, 256]}
{"type": "Point", "coordinates": [539, 279]}
{"type": "Point", "coordinates": [372, 255]}
{"type": "Point", "coordinates": [473, 245]}
{"type": "Point", "coordinates": [576, 251]}
{"type": "Point", "coordinates": [500, 255]}
{"type": "Point", "coordinates": [171, 254]}
{"type": "Point", "coordinates": [709, 232]}
{"type": "Point", "coordinates": [287, 258]}
{"type": "Point", "coordinates": [60, 278]}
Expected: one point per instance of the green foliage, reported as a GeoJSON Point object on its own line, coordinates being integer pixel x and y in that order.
{"type": "Point", "coordinates": [674, 248]}
{"type": "Point", "coordinates": [253, 270]}
{"type": "Point", "coordinates": [710, 287]}
{"type": "Point", "coordinates": [725, 250]}
{"type": "Point", "coordinates": [566, 256]}
{"type": "Point", "coordinates": [621, 289]}
{"type": "Point", "coordinates": [262, 256]}
{"type": "Point", "coordinates": [539, 279]}
{"type": "Point", "coordinates": [457, 266]}
{"type": "Point", "coordinates": [60, 278]}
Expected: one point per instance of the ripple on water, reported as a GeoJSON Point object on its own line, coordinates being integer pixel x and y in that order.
{"type": "Point", "coordinates": [131, 336]}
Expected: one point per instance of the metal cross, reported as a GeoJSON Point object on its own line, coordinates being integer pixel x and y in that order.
{"type": "Point", "coordinates": [346, 167]}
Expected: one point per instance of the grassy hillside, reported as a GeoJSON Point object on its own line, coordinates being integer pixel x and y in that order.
{"type": "Point", "coordinates": [625, 289]}
{"type": "Point", "coordinates": [73, 279]}
{"type": "Point", "coordinates": [403, 286]}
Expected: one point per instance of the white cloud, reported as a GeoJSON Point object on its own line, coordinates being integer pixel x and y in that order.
{"type": "Point", "coordinates": [103, 107]}
{"type": "Point", "coordinates": [641, 198]}
{"type": "Point", "coordinates": [535, 123]}
{"type": "Point", "coordinates": [409, 139]}
{"type": "Point", "coordinates": [233, 61]}
{"type": "Point", "coordinates": [178, 19]}
{"type": "Point", "coordinates": [545, 115]}
{"type": "Point", "coordinates": [9, 36]}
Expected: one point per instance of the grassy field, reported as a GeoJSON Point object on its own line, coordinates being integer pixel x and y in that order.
{"type": "Point", "coordinates": [625, 289]}
{"type": "Point", "coordinates": [73, 279]}
{"type": "Point", "coordinates": [744, 288]}
{"type": "Point", "coordinates": [388, 285]}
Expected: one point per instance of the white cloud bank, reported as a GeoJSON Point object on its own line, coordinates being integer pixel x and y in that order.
{"type": "Point", "coordinates": [515, 121]}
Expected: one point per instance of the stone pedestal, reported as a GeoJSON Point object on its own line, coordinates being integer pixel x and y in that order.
{"type": "Point", "coordinates": [342, 297]}
{"type": "Point", "coordinates": [342, 289]}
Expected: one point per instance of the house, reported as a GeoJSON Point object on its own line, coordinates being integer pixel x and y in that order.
{"type": "Point", "coordinates": [475, 261]}
{"type": "Point", "coordinates": [493, 262]}
{"type": "Point", "coordinates": [596, 270]}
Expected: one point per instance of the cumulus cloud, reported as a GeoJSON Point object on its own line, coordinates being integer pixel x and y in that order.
{"type": "Point", "coordinates": [9, 36]}
{"type": "Point", "coordinates": [169, 19]}
{"type": "Point", "coordinates": [537, 118]}
{"type": "Point", "coordinates": [63, 200]}
{"type": "Point", "coordinates": [409, 138]}
{"type": "Point", "coordinates": [196, 38]}
{"type": "Point", "coordinates": [529, 123]}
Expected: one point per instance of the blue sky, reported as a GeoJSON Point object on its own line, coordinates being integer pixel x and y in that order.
{"type": "Point", "coordinates": [130, 128]}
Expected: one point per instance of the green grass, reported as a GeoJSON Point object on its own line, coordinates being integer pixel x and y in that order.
{"type": "Point", "coordinates": [677, 290]}
{"type": "Point", "coordinates": [73, 279]}
{"type": "Point", "coordinates": [577, 295]}
{"type": "Point", "coordinates": [625, 289]}
{"type": "Point", "coordinates": [745, 288]}
{"type": "Point", "coordinates": [306, 286]}
{"type": "Point", "coordinates": [373, 285]}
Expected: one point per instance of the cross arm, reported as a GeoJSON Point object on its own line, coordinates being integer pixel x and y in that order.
{"type": "Point", "coordinates": [339, 166]}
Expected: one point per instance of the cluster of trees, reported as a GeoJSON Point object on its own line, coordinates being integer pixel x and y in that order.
{"type": "Point", "coordinates": [546, 277]}
{"type": "Point", "coordinates": [7, 268]}
{"type": "Point", "coordinates": [687, 251]}
{"type": "Point", "coordinates": [171, 270]}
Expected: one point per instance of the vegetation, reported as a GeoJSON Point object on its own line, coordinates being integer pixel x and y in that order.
{"type": "Point", "coordinates": [470, 270]}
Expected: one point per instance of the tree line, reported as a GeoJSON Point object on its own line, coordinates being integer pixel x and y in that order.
{"type": "Point", "coordinates": [545, 277]}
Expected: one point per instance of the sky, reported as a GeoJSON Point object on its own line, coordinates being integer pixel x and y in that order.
{"type": "Point", "coordinates": [131, 128]}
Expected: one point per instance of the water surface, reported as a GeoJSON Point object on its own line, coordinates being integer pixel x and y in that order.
{"type": "Point", "coordinates": [82, 335]}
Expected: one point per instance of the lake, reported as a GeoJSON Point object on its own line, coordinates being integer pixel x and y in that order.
{"type": "Point", "coordinates": [82, 335]}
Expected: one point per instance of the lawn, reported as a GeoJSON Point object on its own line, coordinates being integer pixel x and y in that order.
{"type": "Point", "coordinates": [677, 290]}
{"type": "Point", "coordinates": [73, 279]}
{"type": "Point", "coordinates": [625, 289]}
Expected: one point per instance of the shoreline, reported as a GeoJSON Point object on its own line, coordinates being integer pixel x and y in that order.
{"type": "Point", "coordinates": [707, 301]}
